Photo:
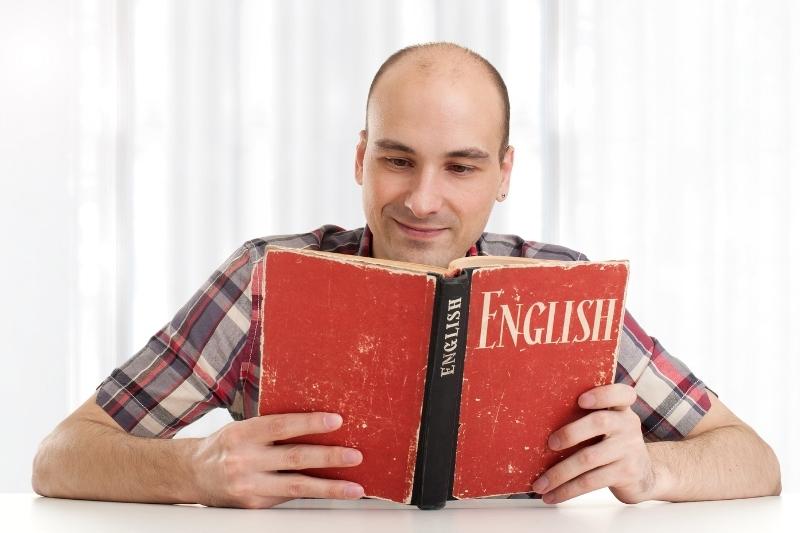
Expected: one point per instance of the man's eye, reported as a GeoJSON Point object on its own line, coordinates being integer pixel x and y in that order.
{"type": "Point", "coordinates": [460, 169]}
{"type": "Point", "coordinates": [397, 162]}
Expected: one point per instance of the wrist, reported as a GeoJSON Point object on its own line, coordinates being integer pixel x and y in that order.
{"type": "Point", "coordinates": [662, 479]}
{"type": "Point", "coordinates": [186, 486]}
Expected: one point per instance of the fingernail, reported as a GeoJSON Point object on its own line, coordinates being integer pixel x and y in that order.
{"type": "Point", "coordinates": [333, 420]}
{"type": "Point", "coordinates": [354, 491]}
{"type": "Point", "coordinates": [554, 442]}
{"type": "Point", "coordinates": [548, 498]}
{"type": "Point", "coordinates": [352, 456]}
{"type": "Point", "coordinates": [587, 400]}
{"type": "Point", "coordinates": [541, 485]}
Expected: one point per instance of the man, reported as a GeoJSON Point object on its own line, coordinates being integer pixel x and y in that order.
{"type": "Point", "coordinates": [432, 160]}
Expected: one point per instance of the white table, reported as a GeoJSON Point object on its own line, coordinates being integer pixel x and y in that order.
{"type": "Point", "coordinates": [595, 512]}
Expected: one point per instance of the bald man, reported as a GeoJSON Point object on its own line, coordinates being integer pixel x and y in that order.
{"type": "Point", "coordinates": [432, 161]}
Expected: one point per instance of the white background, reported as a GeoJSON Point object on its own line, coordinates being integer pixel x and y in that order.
{"type": "Point", "coordinates": [141, 142]}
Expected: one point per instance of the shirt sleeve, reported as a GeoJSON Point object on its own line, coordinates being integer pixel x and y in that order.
{"type": "Point", "coordinates": [670, 399]}
{"type": "Point", "coordinates": [189, 366]}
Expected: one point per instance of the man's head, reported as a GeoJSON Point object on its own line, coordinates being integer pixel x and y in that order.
{"type": "Point", "coordinates": [434, 155]}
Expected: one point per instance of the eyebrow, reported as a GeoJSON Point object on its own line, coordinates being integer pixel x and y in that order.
{"type": "Point", "coordinates": [468, 153]}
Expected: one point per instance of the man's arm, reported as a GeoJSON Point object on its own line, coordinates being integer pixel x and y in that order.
{"type": "Point", "coordinates": [722, 458]}
{"type": "Point", "coordinates": [88, 456]}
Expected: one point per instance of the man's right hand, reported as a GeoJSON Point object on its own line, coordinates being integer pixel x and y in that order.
{"type": "Point", "coordinates": [239, 465]}
{"type": "Point", "coordinates": [88, 456]}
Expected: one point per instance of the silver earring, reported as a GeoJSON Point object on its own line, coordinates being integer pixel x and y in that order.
{"type": "Point", "coordinates": [502, 197]}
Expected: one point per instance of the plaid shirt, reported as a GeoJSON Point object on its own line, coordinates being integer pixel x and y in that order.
{"type": "Point", "coordinates": [209, 356]}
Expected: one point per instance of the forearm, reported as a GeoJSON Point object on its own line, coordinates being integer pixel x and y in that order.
{"type": "Point", "coordinates": [87, 460]}
{"type": "Point", "coordinates": [724, 463]}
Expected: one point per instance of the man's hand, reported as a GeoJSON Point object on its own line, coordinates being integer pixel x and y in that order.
{"type": "Point", "coordinates": [619, 461]}
{"type": "Point", "coordinates": [238, 465]}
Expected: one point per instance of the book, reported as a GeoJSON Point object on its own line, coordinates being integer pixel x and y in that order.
{"type": "Point", "coordinates": [448, 380]}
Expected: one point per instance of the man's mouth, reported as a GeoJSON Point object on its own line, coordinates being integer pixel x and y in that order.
{"type": "Point", "coordinates": [420, 232]}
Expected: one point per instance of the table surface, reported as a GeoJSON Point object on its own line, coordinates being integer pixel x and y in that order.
{"type": "Point", "coordinates": [594, 512]}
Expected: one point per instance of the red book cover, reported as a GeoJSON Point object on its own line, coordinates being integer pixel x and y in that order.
{"type": "Point", "coordinates": [445, 378]}
{"type": "Point", "coordinates": [538, 337]}
{"type": "Point", "coordinates": [349, 338]}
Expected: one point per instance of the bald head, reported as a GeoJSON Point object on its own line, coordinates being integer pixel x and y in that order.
{"type": "Point", "coordinates": [452, 62]}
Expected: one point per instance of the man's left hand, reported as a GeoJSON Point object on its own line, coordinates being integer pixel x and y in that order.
{"type": "Point", "coordinates": [619, 461]}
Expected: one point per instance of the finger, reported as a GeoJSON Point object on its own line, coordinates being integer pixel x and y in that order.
{"type": "Point", "coordinates": [577, 464]}
{"type": "Point", "coordinates": [586, 482]}
{"type": "Point", "coordinates": [616, 396]}
{"type": "Point", "coordinates": [301, 486]}
{"type": "Point", "coordinates": [300, 456]}
{"type": "Point", "coordinates": [594, 424]}
{"type": "Point", "coordinates": [269, 428]}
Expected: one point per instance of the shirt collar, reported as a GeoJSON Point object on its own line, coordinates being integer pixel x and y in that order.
{"type": "Point", "coordinates": [365, 245]}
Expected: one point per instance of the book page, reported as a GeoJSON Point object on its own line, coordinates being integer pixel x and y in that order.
{"type": "Point", "coordinates": [377, 263]}
{"type": "Point", "coordinates": [492, 260]}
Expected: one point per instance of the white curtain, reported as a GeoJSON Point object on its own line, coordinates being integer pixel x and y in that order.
{"type": "Point", "coordinates": [660, 132]}
{"type": "Point", "coordinates": [678, 149]}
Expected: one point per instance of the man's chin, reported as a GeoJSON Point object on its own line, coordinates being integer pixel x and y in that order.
{"type": "Point", "coordinates": [423, 257]}
{"type": "Point", "coordinates": [397, 246]}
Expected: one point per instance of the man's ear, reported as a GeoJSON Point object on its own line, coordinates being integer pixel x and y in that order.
{"type": "Point", "coordinates": [505, 172]}
{"type": "Point", "coordinates": [361, 147]}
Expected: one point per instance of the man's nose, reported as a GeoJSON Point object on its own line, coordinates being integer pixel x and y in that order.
{"type": "Point", "coordinates": [425, 196]}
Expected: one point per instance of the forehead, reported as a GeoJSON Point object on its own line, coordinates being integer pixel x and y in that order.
{"type": "Point", "coordinates": [442, 105]}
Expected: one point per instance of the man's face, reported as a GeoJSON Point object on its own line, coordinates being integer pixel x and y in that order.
{"type": "Point", "coordinates": [429, 165]}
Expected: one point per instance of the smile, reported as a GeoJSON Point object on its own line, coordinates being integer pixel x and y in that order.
{"type": "Point", "coordinates": [420, 232]}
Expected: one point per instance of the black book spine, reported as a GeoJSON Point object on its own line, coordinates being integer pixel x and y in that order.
{"type": "Point", "coordinates": [436, 449]}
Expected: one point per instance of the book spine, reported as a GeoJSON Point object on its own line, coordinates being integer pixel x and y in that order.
{"type": "Point", "coordinates": [439, 427]}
